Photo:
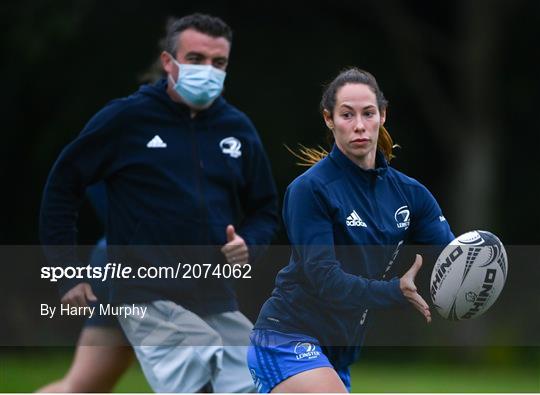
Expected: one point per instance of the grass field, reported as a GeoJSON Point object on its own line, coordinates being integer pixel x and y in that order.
{"type": "Point", "coordinates": [25, 372]}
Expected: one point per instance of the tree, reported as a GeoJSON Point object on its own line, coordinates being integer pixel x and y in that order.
{"type": "Point", "coordinates": [452, 72]}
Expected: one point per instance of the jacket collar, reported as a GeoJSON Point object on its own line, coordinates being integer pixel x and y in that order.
{"type": "Point", "coordinates": [381, 165]}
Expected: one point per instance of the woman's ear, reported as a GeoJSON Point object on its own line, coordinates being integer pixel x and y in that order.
{"type": "Point", "coordinates": [383, 116]}
{"type": "Point", "coordinates": [328, 119]}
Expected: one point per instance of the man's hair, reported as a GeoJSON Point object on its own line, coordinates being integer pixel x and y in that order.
{"type": "Point", "coordinates": [203, 23]}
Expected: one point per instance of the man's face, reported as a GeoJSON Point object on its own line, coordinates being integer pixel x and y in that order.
{"type": "Point", "coordinates": [198, 48]}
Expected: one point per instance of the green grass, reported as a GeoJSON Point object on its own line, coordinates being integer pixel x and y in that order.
{"type": "Point", "coordinates": [424, 377]}
{"type": "Point", "coordinates": [26, 371]}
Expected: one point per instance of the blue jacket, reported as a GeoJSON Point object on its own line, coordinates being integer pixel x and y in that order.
{"type": "Point", "coordinates": [97, 196]}
{"type": "Point", "coordinates": [171, 180]}
{"type": "Point", "coordinates": [346, 226]}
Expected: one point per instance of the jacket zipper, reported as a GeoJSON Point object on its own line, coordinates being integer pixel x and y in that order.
{"type": "Point", "coordinates": [360, 328]}
{"type": "Point", "coordinates": [203, 209]}
{"type": "Point", "coordinates": [373, 186]}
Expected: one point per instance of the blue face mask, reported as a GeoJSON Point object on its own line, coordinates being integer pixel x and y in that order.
{"type": "Point", "coordinates": [198, 85]}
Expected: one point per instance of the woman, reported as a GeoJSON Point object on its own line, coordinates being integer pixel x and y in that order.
{"type": "Point", "coordinates": [346, 218]}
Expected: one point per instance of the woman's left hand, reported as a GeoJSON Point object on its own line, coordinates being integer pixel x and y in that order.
{"type": "Point", "coordinates": [408, 288]}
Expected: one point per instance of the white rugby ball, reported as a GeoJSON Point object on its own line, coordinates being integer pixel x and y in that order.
{"type": "Point", "coordinates": [469, 275]}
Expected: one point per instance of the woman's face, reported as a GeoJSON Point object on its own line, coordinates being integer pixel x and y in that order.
{"type": "Point", "coordinates": [355, 123]}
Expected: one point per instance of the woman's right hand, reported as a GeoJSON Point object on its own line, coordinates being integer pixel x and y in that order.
{"type": "Point", "coordinates": [406, 283]}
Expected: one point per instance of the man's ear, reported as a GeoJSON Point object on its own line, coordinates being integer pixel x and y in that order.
{"type": "Point", "coordinates": [328, 119]}
{"type": "Point", "coordinates": [166, 62]}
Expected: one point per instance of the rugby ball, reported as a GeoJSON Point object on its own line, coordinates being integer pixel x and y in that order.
{"type": "Point", "coordinates": [469, 275]}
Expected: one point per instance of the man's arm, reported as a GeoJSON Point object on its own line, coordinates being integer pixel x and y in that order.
{"type": "Point", "coordinates": [83, 162]}
{"type": "Point", "coordinates": [259, 201]}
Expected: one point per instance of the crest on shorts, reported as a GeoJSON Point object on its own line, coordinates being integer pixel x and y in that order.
{"type": "Point", "coordinates": [306, 350]}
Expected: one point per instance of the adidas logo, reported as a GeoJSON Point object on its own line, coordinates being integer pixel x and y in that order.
{"type": "Point", "coordinates": [355, 220]}
{"type": "Point", "coordinates": [156, 142]}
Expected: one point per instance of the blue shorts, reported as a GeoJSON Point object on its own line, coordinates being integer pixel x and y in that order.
{"type": "Point", "coordinates": [274, 356]}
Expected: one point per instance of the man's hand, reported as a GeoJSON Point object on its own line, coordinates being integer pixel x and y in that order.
{"type": "Point", "coordinates": [79, 295]}
{"type": "Point", "coordinates": [406, 283]}
{"type": "Point", "coordinates": [235, 251]}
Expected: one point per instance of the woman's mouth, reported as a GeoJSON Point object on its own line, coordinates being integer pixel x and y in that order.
{"type": "Point", "coordinates": [359, 142]}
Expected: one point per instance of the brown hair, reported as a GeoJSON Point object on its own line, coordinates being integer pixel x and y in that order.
{"type": "Point", "coordinates": [353, 75]}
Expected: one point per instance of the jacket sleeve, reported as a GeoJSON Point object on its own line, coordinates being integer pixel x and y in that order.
{"type": "Point", "coordinates": [309, 226]}
{"type": "Point", "coordinates": [429, 226]}
{"type": "Point", "coordinates": [259, 201]}
{"type": "Point", "coordinates": [97, 195]}
{"type": "Point", "coordinates": [83, 162]}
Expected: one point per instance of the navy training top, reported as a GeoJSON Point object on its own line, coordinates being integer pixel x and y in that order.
{"type": "Point", "coordinates": [346, 226]}
{"type": "Point", "coordinates": [171, 180]}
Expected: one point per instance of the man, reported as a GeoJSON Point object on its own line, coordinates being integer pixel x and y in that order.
{"type": "Point", "coordinates": [182, 167]}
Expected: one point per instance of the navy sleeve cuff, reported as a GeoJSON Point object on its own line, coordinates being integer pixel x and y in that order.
{"type": "Point", "coordinates": [255, 251]}
{"type": "Point", "coordinates": [396, 291]}
{"type": "Point", "coordinates": [383, 294]}
{"type": "Point", "coordinates": [67, 284]}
